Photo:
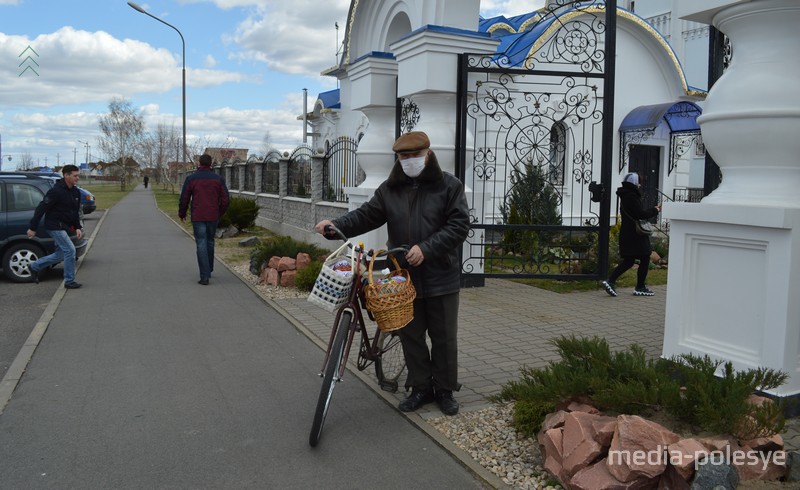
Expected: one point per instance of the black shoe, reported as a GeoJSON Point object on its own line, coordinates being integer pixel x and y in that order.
{"type": "Point", "coordinates": [447, 404]}
{"type": "Point", "coordinates": [34, 274]}
{"type": "Point", "coordinates": [204, 282]}
{"type": "Point", "coordinates": [416, 400]}
{"type": "Point", "coordinates": [73, 285]}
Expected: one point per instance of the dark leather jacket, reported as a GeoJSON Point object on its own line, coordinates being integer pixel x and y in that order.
{"type": "Point", "coordinates": [60, 207]}
{"type": "Point", "coordinates": [429, 211]}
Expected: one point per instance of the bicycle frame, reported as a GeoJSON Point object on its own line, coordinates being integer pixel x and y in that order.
{"type": "Point", "coordinates": [356, 303]}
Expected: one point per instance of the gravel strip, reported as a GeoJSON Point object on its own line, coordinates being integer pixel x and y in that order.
{"type": "Point", "coordinates": [487, 435]}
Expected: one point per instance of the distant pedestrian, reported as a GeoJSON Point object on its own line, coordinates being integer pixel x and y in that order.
{"type": "Point", "coordinates": [208, 195]}
{"type": "Point", "coordinates": [426, 209]}
{"type": "Point", "coordinates": [61, 210]}
{"type": "Point", "coordinates": [146, 181]}
{"type": "Point", "coordinates": [632, 245]}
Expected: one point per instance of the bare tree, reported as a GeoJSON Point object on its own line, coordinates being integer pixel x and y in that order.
{"type": "Point", "coordinates": [266, 144]}
{"type": "Point", "coordinates": [123, 129]}
{"type": "Point", "coordinates": [25, 161]}
{"type": "Point", "coordinates": [163, 146]}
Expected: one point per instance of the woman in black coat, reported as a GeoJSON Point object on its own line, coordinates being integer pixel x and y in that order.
{"type": "Point", "coordinates": [632, 245]}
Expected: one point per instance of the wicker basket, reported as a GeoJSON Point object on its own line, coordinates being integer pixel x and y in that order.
{"type": "Point", "coordinates": [391, 303]}
{"type": "Point", "coordinates": [332, 289]}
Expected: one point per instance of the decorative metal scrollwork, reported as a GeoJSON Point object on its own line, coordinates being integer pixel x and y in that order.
{"type": "Point", "coordinates": [680, 144]}
{"type": "Point", "coordinates": [409, 115]}
{"type": "Point", "coordinates": [629, 138]}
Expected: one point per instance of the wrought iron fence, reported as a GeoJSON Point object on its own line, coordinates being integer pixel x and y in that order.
{"type": "Point", "coordinates": [299, 172]}
{"type": "Point", "coordinates": [270, 174]}
{"type": "Point", "coordinates": [340, 169]}
{"type": "Point", "coordinates": [250, 174]}
{"type": "Point", "coordinates": [234, 172]}
{"type": "Point", "coordinates": [689, 194]}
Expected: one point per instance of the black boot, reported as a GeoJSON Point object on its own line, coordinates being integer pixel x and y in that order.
{"type": "Point", "coordinates": [417, 398]}
{"type": "Point", "coordinates": [447, 404]}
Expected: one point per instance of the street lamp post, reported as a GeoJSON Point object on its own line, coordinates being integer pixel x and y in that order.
{"type": "Point", "coordinates": [183, 44]}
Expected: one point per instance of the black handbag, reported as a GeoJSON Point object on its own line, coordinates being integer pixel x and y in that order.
{"type": "Point", "coordinates": [642, 226]}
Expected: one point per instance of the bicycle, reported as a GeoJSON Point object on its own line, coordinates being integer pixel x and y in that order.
{"type": "Point", "coordinates": [382, 349]}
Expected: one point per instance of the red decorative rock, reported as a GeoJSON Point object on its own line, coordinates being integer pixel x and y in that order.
{"type": "Point", "coordinates": [597, 476]}
{"type": "Point", "coordinates": [581, 407]}
{"type": "Point", "coordinates": [553, 420]}
{"type": "Point", "coordinates": [683, 456]}
{"type": "Point", "coordinates": [287, 279]}
{"type": "Point", "coordinates": [579, 447]}
{"type": "Point", "coordinates": [262, 279]}
{"type": "Point", "coordinates": [273, 277]}
{"type": "Point", "coordinates": [752, 465]}
{"type": "Point", "coordinates": [273, 262]}
{"type": "Point", "coordinates": [638, 449]}
{"type": "Point", "coordinates": [287, 264]}
{"type": "Point", "coordinates": [302, 259]}
{"type": "Point", "coordinates": [671, 480]}
{"type": "Point", "coordinates": [765, 444]}
{"type": "Point", "coordinates": [604, 428]}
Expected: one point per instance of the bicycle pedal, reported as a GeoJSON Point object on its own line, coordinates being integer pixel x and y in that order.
{"type": "Point", "coordinates": [389, 386]}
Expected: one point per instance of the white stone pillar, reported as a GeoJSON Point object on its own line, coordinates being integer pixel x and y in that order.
{"type": "Point", "coordinates": [373, 81]}
{"type": "Point", "coordinates": [734, 276]}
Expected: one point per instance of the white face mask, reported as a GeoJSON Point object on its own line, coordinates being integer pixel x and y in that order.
{"type": "Point", "coordinates": [413, 166]}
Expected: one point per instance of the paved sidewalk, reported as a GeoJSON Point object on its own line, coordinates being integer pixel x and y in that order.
{"type": "Point", "coordinates": [505, 326]}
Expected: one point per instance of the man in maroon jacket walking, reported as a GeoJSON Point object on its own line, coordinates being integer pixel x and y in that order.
{"type": "Point", "coordinates": [209, 198]}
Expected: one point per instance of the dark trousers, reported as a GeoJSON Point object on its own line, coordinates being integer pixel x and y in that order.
{"type": "Point", "coordinates": [438, 366]}
{"type": "Point", "coordinates": [627, 263]}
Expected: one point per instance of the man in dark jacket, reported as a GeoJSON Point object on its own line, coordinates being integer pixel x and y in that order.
{"type": "Point", "coordinates": [632, 245]}
{"type": "Point", "coordinates": [60, 207]}
{"type": "Point", "coordinates": [209, 198]}
{"type": "Point", "coordinates": [426, 209]}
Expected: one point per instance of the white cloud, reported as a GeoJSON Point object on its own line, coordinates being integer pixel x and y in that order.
{"type": "Point", "coordinates": [77, 67]}
{"type": "Point", "coordinates": [210, 61]}
{"type": "Point", "coordinates": [509, 8]}
{"type": "Point", "coordinates": [296, 37]}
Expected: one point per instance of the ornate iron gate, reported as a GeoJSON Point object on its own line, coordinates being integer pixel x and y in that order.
{"type": "Point", "coordinates": [535, 131]}
{"type": "Point", "coordinates": [340, 169]}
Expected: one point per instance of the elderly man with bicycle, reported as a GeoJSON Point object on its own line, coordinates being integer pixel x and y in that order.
{"type": "Point", "coordinates": [426, 209]}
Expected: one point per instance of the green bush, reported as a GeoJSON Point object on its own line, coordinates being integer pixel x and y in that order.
{"type": "Point", "coordinates": [305, 278]}
{"type": "Point", "coordinates": [531, 201]}
{"type": "Point", "coordinates": [283, 246]}
{"type": "Point", "coordinates": [685, 387]}
{"type": "Point", "coordinates": [241, 213]}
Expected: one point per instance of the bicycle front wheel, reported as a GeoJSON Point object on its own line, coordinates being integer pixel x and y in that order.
{"type": "Point", "coordinates": [391, 364]}
{"type": "Point", "coordinates": [330, 376]}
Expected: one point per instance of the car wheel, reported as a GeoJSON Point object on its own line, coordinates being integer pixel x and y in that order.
{"type": "Point", "coordinates": [17, 260]}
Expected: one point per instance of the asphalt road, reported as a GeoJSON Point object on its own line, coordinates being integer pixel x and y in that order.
{"type": "Point", "coordinates": [21, 305]}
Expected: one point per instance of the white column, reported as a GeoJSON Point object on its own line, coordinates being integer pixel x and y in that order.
{"type": "Point", "coordinates": [734, 276]}
{"type": "Point", "coordinates": [373, 82]}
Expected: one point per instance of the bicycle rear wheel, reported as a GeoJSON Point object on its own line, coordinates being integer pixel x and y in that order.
{"type": "Point", "coordinates": [330, 376]}
{"type": "Point", "coordinates": [391, 364]}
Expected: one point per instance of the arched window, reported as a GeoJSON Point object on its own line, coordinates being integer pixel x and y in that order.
{"type": "Point", "coordinates": [558, 146]}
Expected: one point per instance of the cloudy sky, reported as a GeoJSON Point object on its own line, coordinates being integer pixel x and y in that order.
{"type": "Point", "coordinates": [247, 61]}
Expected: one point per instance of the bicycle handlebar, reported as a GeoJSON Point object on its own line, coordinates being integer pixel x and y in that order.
{"type": "Point", "coordinates": [332, 230]}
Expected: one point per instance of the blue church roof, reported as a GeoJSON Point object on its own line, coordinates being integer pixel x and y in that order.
{"type": "Point", "coordinates": [330, 99]}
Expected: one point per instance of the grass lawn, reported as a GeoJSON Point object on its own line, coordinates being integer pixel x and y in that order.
{"type": "Point", "coordinates": [654, 277]}
{"type": "Point", "coordinates": [105, 193]}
